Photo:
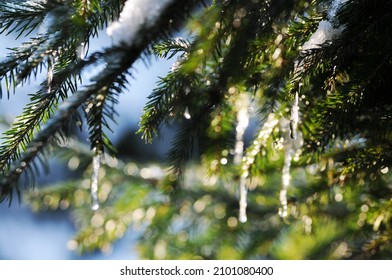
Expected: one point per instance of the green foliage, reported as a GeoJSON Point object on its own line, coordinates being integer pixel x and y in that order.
{"type": "Point", "coordinates": [61, 43]}
{"type": "Point", "coordinates": [242, 62]}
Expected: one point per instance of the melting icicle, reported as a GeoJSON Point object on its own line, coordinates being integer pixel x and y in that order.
{"type": "Point", "coordinates": [290, 149]}
{"type": "Point", "coordinates": [94, 182]}
{"type": "Point", "coordinates": [249, 159]}
{"type": "Point", "coordinates": [294, 118]}
{"type": "Point", "coordinates": [288, 154]}
{"type": "Point", "coordinates": [187, 115]}
{"type": "Point", "coordinates": [242, 217]}
{"type": "Point", "coordinates": [81, 51]}
{"type": "Point", "coordinates": [242, 124]}
{"type": "Point", "coordinates": [51, 62]}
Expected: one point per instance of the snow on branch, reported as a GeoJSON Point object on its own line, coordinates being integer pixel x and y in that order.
{"type": "Point", "coordinates": [135, 15]}
{"type": "Point", "coordinates": [325, 31]}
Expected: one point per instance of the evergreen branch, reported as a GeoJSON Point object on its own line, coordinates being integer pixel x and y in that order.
{"type": "Point", "coordinates": [37, 112]}
{"type": "Point", "coordinates": [9, 67]}
{"type": "Point", "coordinates": [100, 107]}
{"type": "Point", "coordinates": [61, 38]}
{"type": "Point", "coordinates": [50, 132]}
{"type": "Point", "coordinates": [118, 59]}
{"type": "Point", "coordinates": [161, 104]}
{"type": "Point", "coordinates": [22, 17]}
{"type": "Point", "coordinates": [187, 136]}
{"type": "Point", "coordinates": [169, 48]}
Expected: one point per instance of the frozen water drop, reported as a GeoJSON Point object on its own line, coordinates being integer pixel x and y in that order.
{"type": "Point", "coordinates": [187, 115]}
{"type": "Point", "coordinates": [94, 182]}
{"type": "Point", "coordinates": [81, 51]}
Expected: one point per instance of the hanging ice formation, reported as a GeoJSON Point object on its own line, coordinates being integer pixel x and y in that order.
{"type": "Point", "coordinates": [248, 160]}
{"type": "Point", "coordinates": [51, 62]}
{"type": "Point", "coordinates": [288, 154]}
{"type": "Point", "coordinates": [291, 147]}
{"type": "Point", "coordinates": [187, 114]}
{"type": "Point", "coordinates": [81, 51]}
{"type": "Point", "coordinates": [325, 32]}
{"type": "Point", "coordinates": [242, 124]}
{"type": "Point", "coordinates": [94, 181]}
{"type": "Point", "coordinates": [294, 117]}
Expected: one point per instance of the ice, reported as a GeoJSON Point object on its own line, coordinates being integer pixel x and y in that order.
{"type": "Point", "coordinates": [242, 124]}
{"type": "Point", "coordinates": [294, 117]}
{"type": "Point", "coordinates": [288, 155]}
{"type": "Point", "coordinates": [242, 217]}
{"type": "Point", "coordinates": [51, 62]}
{"type": "Point", "coordinates": [94, 182]}
{"type": "Point", "coordinates": [290, 147]}
{"type": "Point", "coordinates": [187, 115]}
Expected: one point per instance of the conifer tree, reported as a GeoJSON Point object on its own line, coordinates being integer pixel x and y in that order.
{"type": "Point", "coordinates": [309, 78]}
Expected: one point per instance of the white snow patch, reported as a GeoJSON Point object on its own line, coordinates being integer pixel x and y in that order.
{"type": "Point", "coordinates": [325, 31]}
{"type": "Point", "coordinates": [49, 21]}
{"type": "Point", "coordinates": [135, 15]}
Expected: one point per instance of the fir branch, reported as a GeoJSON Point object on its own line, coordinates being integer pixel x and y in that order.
{"type": "Point", "coordinates": [169, 48]}
{"type": "Point", "coordinates": [99, 110]}
{"type": "Point", "coordinates": [119, 59]}
{"type": "Point", "coordinates": [22, 17]}
{"type": "Point", "coordinates": [37, 112]}
{"type": "Point", "coordinates": [162, 103]}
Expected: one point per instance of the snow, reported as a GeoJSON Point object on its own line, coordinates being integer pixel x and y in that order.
{"type": "Point", "coordinates": [27, 5]}
{"type": "Point", "coordinates": [135, 15]}
{"type": "Point", "coordinates": [325, 31]}
{"type": "Point", "coordinates": [46, 25]}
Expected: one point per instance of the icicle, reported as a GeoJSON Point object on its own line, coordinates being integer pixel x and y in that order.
{"type": "Point", "coordinates": [242, 217]}
{"type": "Point", "coordinates": [288, 154]}
{"type": "Point", "coordinates": [187, 115]}
{"type": "Point", "coordinates": [291, 147]}
{"type": "Point", "coordinates": [51, 62]}
{"type": "Point", "coordinates": [81, 51]}
{"type": "Point", "coordinates": [294, 118]}
{"type": "Point", "coordinates": [242, 124]}
{"type": "Point", "coordinates": [249, 159]}
{"type": "Point", "coordinates": [94, 182]}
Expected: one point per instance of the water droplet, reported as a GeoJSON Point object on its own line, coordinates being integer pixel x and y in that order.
{"type": "Point", "coordinates": [94, 182]}
{"type": "Point", "coordinates": [187, 115]}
